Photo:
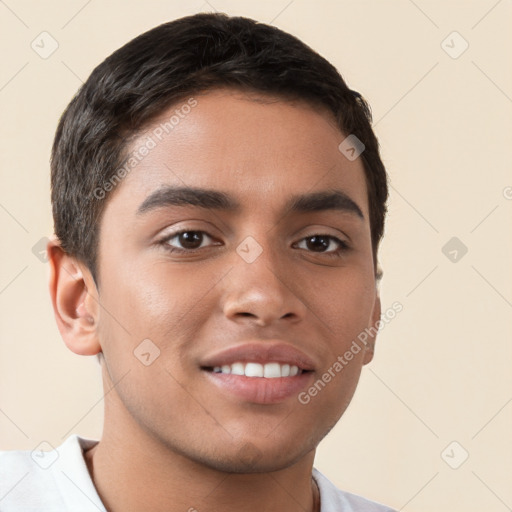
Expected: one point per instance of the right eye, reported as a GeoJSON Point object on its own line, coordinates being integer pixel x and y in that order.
{"type": "Point", "coordinates": [188, 240]}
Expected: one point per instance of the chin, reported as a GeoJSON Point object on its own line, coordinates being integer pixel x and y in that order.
{"type": "Point", "coordinates": [251, 463]}
{"type": "Point", "coordinates": [251, 459]}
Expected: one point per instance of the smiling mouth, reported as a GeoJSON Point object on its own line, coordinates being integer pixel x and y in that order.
{"type": "Point", "coordinates": [270, 370]}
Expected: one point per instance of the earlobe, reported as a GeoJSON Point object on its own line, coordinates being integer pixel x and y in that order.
{"type": "Point", "coordinates": [374, 327]}
{"type": "Point", "coordinates": [75, 301]}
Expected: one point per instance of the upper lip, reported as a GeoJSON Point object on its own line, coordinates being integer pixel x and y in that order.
{"type": "Point", "coordinates": [260, 352]}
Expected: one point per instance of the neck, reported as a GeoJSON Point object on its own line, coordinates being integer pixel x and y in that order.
{"type": "Point", "coordinates": [133, 471]}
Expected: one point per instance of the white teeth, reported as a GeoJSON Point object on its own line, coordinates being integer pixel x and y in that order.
{"type": "Point", "coordinates": [238, 369]}
{"type": "Point", "coordinates": [269, 370]}
{"type": "Point", "coordinates": [253, 370]}
{"type": "Point", "coordinates": [272, 370]}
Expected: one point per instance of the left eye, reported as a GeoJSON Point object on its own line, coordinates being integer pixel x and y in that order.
{"type": "Point", "coordinates": [321, 243]}
{"type": "Point", "coordinates": [190, 240]}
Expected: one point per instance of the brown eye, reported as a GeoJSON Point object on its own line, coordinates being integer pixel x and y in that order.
{"type": "Point", "coordinates": [322, 244]}
{"type": "Point", "coordinates": [190, 239]}
{"type": "Point", "coordinates": [186, 240]}
{"type": "Point", "coordinates": [318, 243]}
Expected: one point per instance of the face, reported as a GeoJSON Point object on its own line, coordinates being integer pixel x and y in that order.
{"type": "Point", "coordinates": [239, 246]}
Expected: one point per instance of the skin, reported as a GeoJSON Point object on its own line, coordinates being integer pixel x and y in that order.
{"type": "Point", "coordinates": [167, 430]}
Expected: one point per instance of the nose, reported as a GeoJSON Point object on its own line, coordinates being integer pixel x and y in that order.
{"type": "Point", "coordinates": [263, 292]}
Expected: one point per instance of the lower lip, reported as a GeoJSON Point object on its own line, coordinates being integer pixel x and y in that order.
{"type": "Point", "coordinates": [260, 390]}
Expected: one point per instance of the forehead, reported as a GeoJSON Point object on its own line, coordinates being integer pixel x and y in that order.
{"type": "Point", "coordinates": [260, 149]}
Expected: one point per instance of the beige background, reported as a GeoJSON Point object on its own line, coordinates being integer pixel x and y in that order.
{"type": "Point", "coordinates": [442, 371]}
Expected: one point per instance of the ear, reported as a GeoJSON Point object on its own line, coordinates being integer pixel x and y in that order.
{"type": "Point", "coordinates": [373, 328]}
{"type": "Point", "coordinates": [75, 301]}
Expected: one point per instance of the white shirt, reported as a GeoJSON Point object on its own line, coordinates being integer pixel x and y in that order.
{"type": "Point", "coordinates": [59, 481]}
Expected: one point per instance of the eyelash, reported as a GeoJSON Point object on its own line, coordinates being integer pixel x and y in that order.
{"type": "Point", "coordinates": [343, 246]}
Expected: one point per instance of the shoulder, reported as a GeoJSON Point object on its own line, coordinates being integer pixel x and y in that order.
{"type": "Point", "coordinates": [23, 481]}
{"type": "Point", "coordinates": [41, 481]}
{"type": "Point", "coordinates": [333, 499]}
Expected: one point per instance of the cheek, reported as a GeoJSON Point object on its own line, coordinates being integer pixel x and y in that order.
{"type": "Point", "coordinates": [154, 302]}
{"type": "Point", "coordinates": [149, 317]}
{"type": "Point", "coordinates": [329, 395]}
{"type": "Point", "coordinates": [344, 306]}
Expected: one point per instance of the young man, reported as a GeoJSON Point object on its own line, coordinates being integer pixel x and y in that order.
{"type": "Point", "coordinates": [218, 199]}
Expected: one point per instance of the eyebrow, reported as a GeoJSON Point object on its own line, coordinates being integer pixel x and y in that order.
{"type": "Point", "coordinates": [324, 200]}
{"type": "Point", "coordinates": [217, 200]}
